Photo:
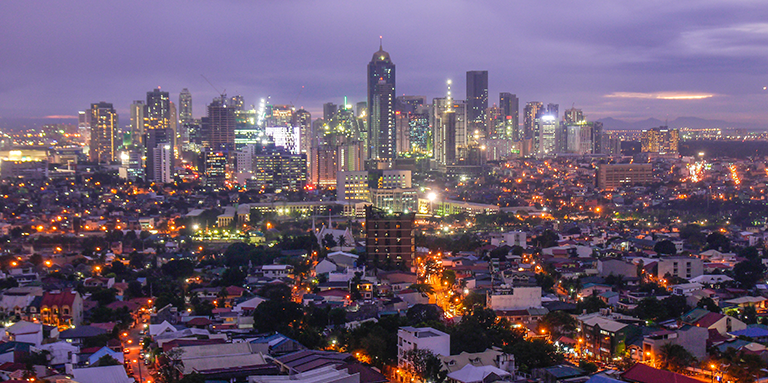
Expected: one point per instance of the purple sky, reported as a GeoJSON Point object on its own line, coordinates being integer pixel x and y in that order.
{"type": "Point", "coordinates": [624, 59]}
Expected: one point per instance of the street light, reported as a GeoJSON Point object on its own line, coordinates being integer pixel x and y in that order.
{"type": "Point", "coordinates": [431, 197]}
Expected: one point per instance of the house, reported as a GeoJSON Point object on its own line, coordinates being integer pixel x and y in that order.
{"type": "Point", "coordinates": [478, 374]}
{"type": "Point", "coordinates": [102, 374]}
{"type": "Point", "coordinates": [557, 374]}
{"type": "Point", "coordinates": [78, 334]}
{"type": "Point", "coordinates": [248, 305]}
{"type": "Point", "coordinates": [61, 308]}
{"type": "Point", "coordinates": [410, 338]}
{"type": "Point", "coordinates": [692, 338]}
{"type": "Point", "coordinates": [643, 373]}
{"type": "Point", "coordinates": [61, 353]}
{"type": "Point", "coordinates": [276, 271]}
{"type": "Point", "coordinates": [15, 351]}
{"type": "Point", "coordinates": [490, 357]}
{"type": "Point", "coordinates": [118, 356]}
{"type": "Point", "coordinates": [326, 374]}
{"type": "Point", "coordinates": [27, 332]}
{"type": "Point", "coordinates": [720, 322]}
{"type": "Point", "coordinates": [605, 338]}
{"type": "Point", "coordinates": [156, 329]}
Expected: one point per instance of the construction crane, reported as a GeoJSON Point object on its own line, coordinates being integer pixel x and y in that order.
{"type": "Point", "coordinates": [222, 94]}
{"type": "Point", "coordinates": [293, 103]}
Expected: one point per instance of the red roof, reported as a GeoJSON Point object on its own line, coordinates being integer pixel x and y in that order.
{"type": "Point", "coordinates": [234, 290]}
{"type": "Point", "coordinates": [131, 306]}
{"type": "Point", "coordinates": [709, 319]}
{"type": "Point", "coordinates": [58, 299]}
{"type": "Point", "coordinates": [643, 373]}
{"type": "Point", "coordinates": [199, 322]}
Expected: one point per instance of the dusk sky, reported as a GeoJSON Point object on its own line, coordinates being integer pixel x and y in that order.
{"type": "Point", "coordinates": [623, 59]}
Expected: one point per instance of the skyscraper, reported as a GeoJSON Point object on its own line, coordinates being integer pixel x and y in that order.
{"type": "Point", "coordinates": [573, 116]}
{"type": "Point", "coordinates": [553, 110]}
{"type": "Point", "coordinates": [219, 126]}
{"type": "Point", "coordinates": [103, 132]}
{"type": "Point", "coordinates": [329, 110]}
{"type": "Point", "coordinates": [158, 110]}
{"type": "Point", "coordinates": [156, 140]}
{"type": "Point", "coordinates": [477, 99]}
{"type": "Point", "coordinates": [303, 119]}
{"type": "Point", "coordinates": [660, 140]}
{"type": "Point", "coordinates": [532, 111]}
{"type": "Point", "coordinates": [381, 108]}
{"type": "Point", "coordinates": [185, 106]}
{"type": "Point", "coordinates": [138, 120]}
{"type": "Point", "coordinates": [510, 112]}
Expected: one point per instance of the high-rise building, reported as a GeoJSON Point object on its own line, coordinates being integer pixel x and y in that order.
{"type": "Point", "coordinates": [103, 132]}
{"type": "Point", "coordinates": [174, 124]}
{"type": "Point", "coordinates": [303, 120]}
{"type": "Point", "coordinates": [553, 110]}
{"type": "Point", "coordinates": [533, 110]}
{"type": "Point", "coordinates": [158, 110]}
{"type": "Point", "coordinates": [402, 132]}
{"type": "Point", "coordinates": [162, 164]}
{"type": "Point", "coordinates": [138, 121]}
{"type": "Point", "coordinates": [237, 102]}
{"type": "Point", "coordinates": [215, 167]}
{"type": "Point", "coordinates": [510, 114]}
{"type": "Point", "coordinates": [573, 116]}
{"type": "Point", "coordinates": [185, 106]}
{"type": "Point", "coordinates": [276, 168]}
{"type": "Point", "coordinates": [329, 110]}
{"type": "Point", "coordinates": [477, 99]}
{"type": "Point", "coordinates": [661, 140]}
{"type": "Point", "coordinates": [545, 141]}
{"type": "Point", "coordinates": [612, 176]}
{"type": "Point", "coordinates": [381, 108]}
{"type": "Point", "coordinates": [389, 238]}
{"type": "Point", "coordinates": [155, 140]}
{"type": "Point", "coordinates": [219, 126]}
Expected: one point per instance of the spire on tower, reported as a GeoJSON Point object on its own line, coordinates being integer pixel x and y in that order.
{"type": "Point", "coordinates": [381, 38]}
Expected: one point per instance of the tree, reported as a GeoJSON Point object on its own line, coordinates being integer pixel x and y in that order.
{"type": "Point", "coordinates": [718, 242]}
{"type": "Point", "coordinates": [589, 367]}
{"type": "Point", "coordinates": [591, 304]}
{"type": "Point", "coordinates": [651, 308]}
{"type": "Point", "coordinates": [107, 360]}
{"type": "Point", "coordinates": [749, 253]}
{"type": "Point", "coordinates": [480, 329]}
{"type": "Point", "coordinates": [675, 305]}
{"type": "Point", "coordinates": [276, 292]}
{"type": "Point", "coordinates": [425, 365]}
{"type": "Point", "coordinates": [749, 315]}
{"type": "Point", "coordinates": [747, 273]}
{"type": "Point", "coordinates": [534, 354]}
{"type": "Point", "coordinates": [422, 288]}
{"type": "Point", "coordinates": [546, 239]}
{"type": "Point", "coordinates": [276, 315]}
{"type": "Point", "coordinates": [675, 357]}
{"type": "Point", "coordinates": [193, 378]}
{"type": "Point", "coordinates": [337, 316]}
{"type": "Point", "coordinates": [420, 313]}
{"type": "Point", "coordinates": [558, 323]}
{"type": "Point", "coordinates": [328, 241]}
{"type": "Point", "coordinates": [709, 304]}
{"type": "Point", "coordinates": [665, 247]}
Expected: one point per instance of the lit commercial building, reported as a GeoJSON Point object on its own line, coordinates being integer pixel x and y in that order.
{"type": "Point", "coordinates": [219, 126]}
{"type": "Point", "coordinates": [509, 106]}
{"type": "Point", "coordinates": [612, 176]}
{"type": "Point", "coordinates": [156, 140]}
{"type": "Point", "coordinates": [533, 110]}
{"type": "Point", "coordinates": [103, 132]}
{"type": "Point", "coordinates": [278, 169]}
{"type": "Point", "coordinates": [162, 162]}
{"type": "Point", "coordinates": [215, 167]}
{"type": "Point", "coordinates": [513, 298]}
{"type": "Point", "coordinates": [389, 238]}
{"type": "Point", "coordinates": [138, 111]}
{"type": "Point", "coordinates": [477, 99]}
{"type": "Point", "coordinates": [660, 140]}
{"type": "Point", "coordinates": [381, 108]}
{"type": "Point", "coordinates": [185, 106]}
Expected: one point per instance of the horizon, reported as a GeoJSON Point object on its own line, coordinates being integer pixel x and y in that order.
{"type": "Point", "coordinates": [626, 61]}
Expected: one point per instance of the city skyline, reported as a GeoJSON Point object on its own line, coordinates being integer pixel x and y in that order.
{"type": "Point", "coordinates": [630, 61]}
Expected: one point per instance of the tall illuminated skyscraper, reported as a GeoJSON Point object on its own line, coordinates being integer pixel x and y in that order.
{"type": "Point", "coordinates": [477, 99]}
{"type": "Point", "coordinates": [185, 106]}
{"type": "Point", "coordinates": [138, 111]}
{"type": "Point", "coordinates": [303, 119]}
{"type": "Point", "coordinates": [510, 112]}
{"type": "Point", "coordinates": [219, 126]}
{"type": "Point", "coordinates": [532, 111]}
{"type": "Point", "coordinates": [158, 110]}
{"type": "Point", "coordinates": [103, 132]}
{"type": "Point", "coordinates": [381, 108]}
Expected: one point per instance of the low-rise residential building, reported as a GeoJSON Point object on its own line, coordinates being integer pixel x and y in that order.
{"type": "Point", "coordinates": [422, 338]}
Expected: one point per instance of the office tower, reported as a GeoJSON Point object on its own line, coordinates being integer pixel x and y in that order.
{"type": "Point", "coordinates": [553, 110]}
{"type": "Point", "coordinates": [533, 110]}
{"type": "Point", "coordinates": [162, 163]}
{"type": "Point", "coordinates": [219, 126]}
{"type": "Point", "coordinates": [381, 108]}
{"type": "Point", "coordinates": [477, 100]}
{"type": "Point", "coordinates": [324, 165]}
{"type": "Point", "coordinates": [132, 165]}
{"type": "Point", "coordinates": [156, 140]}
{"type": "Point", "coordinates": [276, 168]}
{"type": "Point", "coordinates": [279, 115]}
{"type": "Point", "coordinates": [287, 137]}
{"type": "Point", "coordinates": [185, 106]}
{"type": "Point", "coordinates": [402, 132]}
{"type": "Point", "coordinates": [103, 132]}
{"type": "Point", "coordinates": [303, 120]}
{"type": "Point", "coordinates": [661, 140]}
{"type": "Point", "coordinates": [409, 104]}
{"type": "Point", "coordinates": [510, 113]}
{"type": "Point", "coordinates": [421, 133]}
{"type": "Point", "coordinates": [158, 110]}
{"type": "Point", "coordinates": [138, 111]}
{"type": "Point", "coordinates": [573, 116]}
{"type": "Point", "coordinates": [494, 122]}
{"type": "Point", "coordinates": [236, 102]}
{"type": "Point", "coordinates": [215, 167]}
{"type": "Point", "coordinates": [612, 176]}
{"type": "Point", "coordinates": [389, 238]}
{"type": "Point", "coordinates": [174, 121]}
{"type": "Point", "coordinates": [544, 140]}
{"type": "Point", "coordinates": [329, 110]}
{"type": "Point", "coordinates": [599, 146]}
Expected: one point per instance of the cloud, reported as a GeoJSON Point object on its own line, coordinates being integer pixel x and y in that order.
{"type": "Point", "coordinates": [660, 96]}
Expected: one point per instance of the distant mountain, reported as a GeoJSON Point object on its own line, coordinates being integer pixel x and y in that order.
{"type": "Point", "coordinates": [610, 123]}
{"type": "Point", "coordinates": [18, 124]}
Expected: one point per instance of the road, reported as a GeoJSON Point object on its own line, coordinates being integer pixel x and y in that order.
{"type": "Point", "coordinates": [133, 344]}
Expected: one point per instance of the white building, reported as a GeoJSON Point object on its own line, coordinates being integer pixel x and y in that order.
{"type": "Point", "coordinates": [514, 298]}
{"type": "Point", "coordinates": [422, 338]}
{"type": "Point", "coordinates": [163, 163]}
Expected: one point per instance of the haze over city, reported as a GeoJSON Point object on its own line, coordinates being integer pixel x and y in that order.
{"type": "Point", "coordinates": [628, 60]}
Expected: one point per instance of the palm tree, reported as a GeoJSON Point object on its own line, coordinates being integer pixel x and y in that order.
{"type": "Point", "coordinates": [422, 288]}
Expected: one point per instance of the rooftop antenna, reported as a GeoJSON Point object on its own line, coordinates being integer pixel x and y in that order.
{"type": "Point", "coordinates": [449, 98]}
{"type": "Point", "coordinates": [381, 43]}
